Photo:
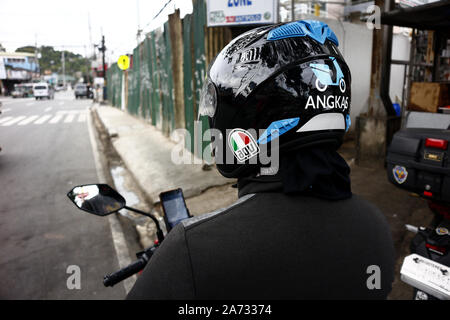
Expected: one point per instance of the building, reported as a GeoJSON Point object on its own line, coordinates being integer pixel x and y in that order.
{"type": "Point", "coordinates": [17, 67]}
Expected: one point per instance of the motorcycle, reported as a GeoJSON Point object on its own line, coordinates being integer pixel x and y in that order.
{"type": "Point", "coordinates": [427, 268]}
{"type": "Point", "coordinates": [417, 162]}
{"type": "Point", "coordinates": [103, 200]}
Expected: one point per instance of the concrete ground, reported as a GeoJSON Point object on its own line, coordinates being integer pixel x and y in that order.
{"type": "Point", "coordinates": [145, 152]}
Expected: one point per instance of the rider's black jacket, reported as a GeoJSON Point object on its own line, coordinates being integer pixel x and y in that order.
{"type": "Point", "coordinates": [270, 245]}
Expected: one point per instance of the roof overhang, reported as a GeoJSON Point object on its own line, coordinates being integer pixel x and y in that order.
{"type": "Point", "coordinates": [432, 16]}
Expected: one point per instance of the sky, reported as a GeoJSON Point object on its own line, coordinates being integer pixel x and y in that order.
{"type": "Point", "coordinates": [65, 23]}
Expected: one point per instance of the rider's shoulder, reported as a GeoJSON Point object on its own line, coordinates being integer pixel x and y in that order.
{"type": "Point", "coordinates": [197, 220]}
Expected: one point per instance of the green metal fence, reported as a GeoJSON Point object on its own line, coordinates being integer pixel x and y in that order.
{"type": "Point", "coordinates": [150, 93]}
{"type": "Point", "coordinates": [114, 85]}
{"type": "Point", "coordinates": [188, 81]}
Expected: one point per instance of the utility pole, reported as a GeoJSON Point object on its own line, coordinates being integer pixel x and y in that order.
{"type": "Point", "coordinates": [35, 55]}
{"type": "Point", "coordinates": [103, 49]}
{"type": "Point", "coordinates": [88, 64]}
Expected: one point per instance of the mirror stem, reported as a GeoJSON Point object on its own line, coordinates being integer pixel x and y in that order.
{"type": "Point", "coordinates": [159, 233]}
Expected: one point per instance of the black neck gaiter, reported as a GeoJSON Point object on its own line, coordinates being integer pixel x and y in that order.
{"type": "Point", "coordinates": [316, 171]}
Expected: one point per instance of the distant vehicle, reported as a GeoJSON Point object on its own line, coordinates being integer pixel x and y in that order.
{"type": "Point", "coordinates": [43, 90]}
{"type": "Point", "coordinates": [81, 90]}
{"type": "Point", "coordinates": [22, 90]}
{"type": "Point", "coordinates": [28, 87]}
{"type": "Point", "coordinates": [60, 87]}
{"type": "Point", "coordinates": [18, 91]}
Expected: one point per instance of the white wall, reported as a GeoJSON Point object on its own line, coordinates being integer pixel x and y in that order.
{"type": "Point", "coordinates": [355, 44]}
{"type": "Point", "coordinates": [400, 51]}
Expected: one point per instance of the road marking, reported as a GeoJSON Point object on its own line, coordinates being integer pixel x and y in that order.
{"type": "Point", "coordinates": [69, 118]}
{"type": "Point", "coordinates": [61, 103]}
{"type": "Point", "coordinates": [29, 103]}
{"type": "Point", "coordinates": [7, 102]}
{"type": "Point", "coordinates": [27, 120]}
{"type": "Point", "coordinates": [5, 119]}
{"type": "Point", "coordinates": [43, 119]}
{"type": "Point", "coordinates": [120, 246]}
{"type": "Point", "coordinates": [48, 109]}
{"type": "Point", "coordinates": [82, 117]}
{"type": "Point", "coordinates": [6, 109]}
{"type": "Point", "coordinates": [14, 120]}
{"type": "Point", "coordinates": [56, 119]}
{"type": "Point", "coordinates": [70, 111]}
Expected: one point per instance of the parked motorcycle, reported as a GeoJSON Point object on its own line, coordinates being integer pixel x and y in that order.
{"type": "Point", "coordinates": [418, 161]}
{"type": "Point", "coordinates": [102, 200]}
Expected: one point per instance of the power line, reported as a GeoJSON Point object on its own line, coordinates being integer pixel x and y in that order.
{"type": "Point", "coordinates": [162, 9]}
{"type": "Point", "coordinates": [167, 3]}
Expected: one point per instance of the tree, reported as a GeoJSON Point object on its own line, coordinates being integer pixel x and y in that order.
{"type": "Point", "coordinates": [51, 60]}
{"type": "Point", "coordinates": [27, 49]}
{"type": "Point", "coordinates": [2, 49]}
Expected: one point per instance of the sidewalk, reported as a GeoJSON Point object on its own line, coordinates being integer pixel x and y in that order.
{"type": "Point", "coordinates": [146, 152]}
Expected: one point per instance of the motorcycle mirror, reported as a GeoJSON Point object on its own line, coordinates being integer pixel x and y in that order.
{"type": "Point", "coordinates": [98, 199]}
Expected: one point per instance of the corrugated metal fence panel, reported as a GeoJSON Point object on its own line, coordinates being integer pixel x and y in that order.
{"type": "Point", "coordinates": [137, 68]}
{"type": "Point", "coordinates": [216, 39]}
{"type": "Point", "coordinates": [164, 53]}
{"type": "Point", "coordinates": [133, 84]}
{"type": "Point", "coordinates": [109, 87]}
{"type": "Point", "coordinates": [176, 43]}
{"type": "Point", "coordinates": [188, 82]}
{"type": "Point", "coordinates": [156, 90]}
{"type": "Point", "coordinates": [198, 29]}
{"type": "Point", "coordinates": [146, 79]}
{"type": "Point", "coordinates": [114, 85]}
{"type": "Point", "coordinates": [132, 87]}
{"type": "Point", "coordinates": [117, 79]}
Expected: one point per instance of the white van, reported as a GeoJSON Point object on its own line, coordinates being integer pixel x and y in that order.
{"type": "Point", "coordinates": [43, 90]}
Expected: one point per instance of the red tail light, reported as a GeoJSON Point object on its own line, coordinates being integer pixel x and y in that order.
{"type": "Point", "coordinates": [436, 143]}
{"type": "Point", "coordinates": [438, 250]}
{"type": "Point", "coordinates": [427, 193]}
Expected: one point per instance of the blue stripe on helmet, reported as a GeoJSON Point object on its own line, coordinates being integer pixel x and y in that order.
{"type": "Point", "coordinates": [316, 30]}
{"type": "Point", "coordinates": [276, 129]}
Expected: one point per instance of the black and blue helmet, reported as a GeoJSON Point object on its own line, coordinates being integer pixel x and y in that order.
{"type": "Point", "coordinates": [289, 79]}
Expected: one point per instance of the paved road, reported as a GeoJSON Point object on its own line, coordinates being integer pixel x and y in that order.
{"type": "Point", "coordinates": [46, 152]}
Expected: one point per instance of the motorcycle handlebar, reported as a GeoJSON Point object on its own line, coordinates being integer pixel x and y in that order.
{"type": "Point", "coordinates": [124, 273]}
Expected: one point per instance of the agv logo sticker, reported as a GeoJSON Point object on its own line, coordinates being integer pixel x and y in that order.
{"type": "Point", "coordinates": [242, 144]}
{"type": "Point", "coordinates": [400, 174]}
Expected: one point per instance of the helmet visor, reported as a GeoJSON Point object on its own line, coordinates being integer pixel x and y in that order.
{"type": "Point", "coordinates": [208, 100]}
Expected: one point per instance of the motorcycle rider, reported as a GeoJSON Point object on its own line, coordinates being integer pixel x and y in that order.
{"type": "Point", "coordinates": [296, 234]}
